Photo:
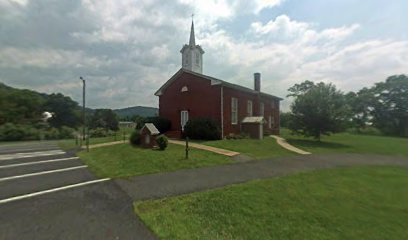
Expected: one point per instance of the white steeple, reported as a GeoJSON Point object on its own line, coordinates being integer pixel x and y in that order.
{"type": "Point", "coordinates": [192, 54]}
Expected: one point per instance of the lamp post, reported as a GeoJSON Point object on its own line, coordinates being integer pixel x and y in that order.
{"type": "Point", "coordinates": [83, 108]}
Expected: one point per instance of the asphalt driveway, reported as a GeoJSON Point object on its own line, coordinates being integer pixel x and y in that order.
{"type": "Point", "coordinates": [46, 193]}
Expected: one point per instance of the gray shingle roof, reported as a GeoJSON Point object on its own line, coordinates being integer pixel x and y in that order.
{"type": "Point", "coordinates": [152, 129]}
{"type": "Point", "coordinates": [214, 81]}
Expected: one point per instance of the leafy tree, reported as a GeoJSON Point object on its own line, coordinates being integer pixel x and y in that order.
{"type": "Point", "coordinates": [104, 118]}
{"type": "Point", "coordinates": [284, 119]}
{"type": "Point", "coordinates": [317, 109]}
{"type": "Point", "coordinates": [65, 111]}
{"type": "Point", "coordinates": [390, 105]}
{"type": "Point", "coordinates": [360, 104]}
{"type": "Point", "coordinates": [19, 106]}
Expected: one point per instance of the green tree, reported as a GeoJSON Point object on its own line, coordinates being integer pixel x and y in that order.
{"type": "Point", "coordinates": [361, 105]}
{"type": "Point", "coordinates": [317, 109]}
{"type": "Point", "coordinates": [65, 111]}
{"type": "Point", "coordinates": [390, 105]}
{"type": "Point", "coordinates": [20, 106]}
{"type": "Point", "coordinates": [285, 119]}
{"type": "Point", "coordinates": [105, 118]}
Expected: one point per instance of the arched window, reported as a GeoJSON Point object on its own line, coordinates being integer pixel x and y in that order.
{"type": "Point", "coordinates": [184, 89]}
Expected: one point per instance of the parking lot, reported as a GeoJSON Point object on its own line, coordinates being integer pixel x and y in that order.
{"type": "Point", "coordinates": [46, 193]}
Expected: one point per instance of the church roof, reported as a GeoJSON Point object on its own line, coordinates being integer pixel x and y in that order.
{"type": "Point", "coordinates": [152, 129]}
{"type": "Point", "coordinates": [214, 81]}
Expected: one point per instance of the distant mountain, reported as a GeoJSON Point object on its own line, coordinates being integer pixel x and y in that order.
{"type": "Point", "coordinates": [138, 110]}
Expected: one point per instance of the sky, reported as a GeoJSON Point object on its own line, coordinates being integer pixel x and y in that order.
{"type": "Point", "coordinates": [127, 49]}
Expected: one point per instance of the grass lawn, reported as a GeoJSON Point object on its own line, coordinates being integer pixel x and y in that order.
{"type": "Point", "coordinates": [345, 203]}
{"type": "Point", "coordinates": [265, 148]}
{"type": "Point", "coordinates": [123, 160]}
{"type": "Point", "coordinates": [350, 143]}
{"type": "Point", "coordinates": [68, 144]}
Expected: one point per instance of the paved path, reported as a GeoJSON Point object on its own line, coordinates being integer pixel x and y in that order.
{"type": "Point", "coordinates": [282, 142]}
{"type": "Point", "coordinates": [193, 180]}
{"type": "Point", "coordinates": [207, 148]}
{"type": "Point", "coordinates": [46, 193]}
{"type": "Point", "coordinates": [104, 144]}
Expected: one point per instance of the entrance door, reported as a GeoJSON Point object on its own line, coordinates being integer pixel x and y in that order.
{"type": "Point", "coordinates": [184, 119]}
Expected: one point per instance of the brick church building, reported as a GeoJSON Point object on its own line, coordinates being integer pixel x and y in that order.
{"type": "Point", "coordinates": [189, 94]}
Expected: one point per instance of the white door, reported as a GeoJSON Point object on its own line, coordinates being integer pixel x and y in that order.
{"type": "Point", "coordinates": [184, 119]}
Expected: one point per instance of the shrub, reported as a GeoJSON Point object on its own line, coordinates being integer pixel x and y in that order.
{"type": "Point", "coordinates": [100, 132]}
{"type": "Point", "coordinates": [66, 132]}
{"type": "Point", "coordinates": [135, 138]}
{"type": "Point", "coordinates": [51, 133]}
{"type": "Point", "coordinates": [366, 131]}
{"type": "Point", "coordinates": [11, 132]}
{"type": "Point", "coordinates": [162, 141]}
{"type": "Point", "coordinates": [202, 129]}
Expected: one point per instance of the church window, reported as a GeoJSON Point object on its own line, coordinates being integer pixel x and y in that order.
{"type": "Point", "coordinates": [261, 109]}
{"type": "Point", "coordinates": [249, 108]}
{"type": "Point", "coordinates": [184, 89]}
{"type": "Point", "coordinates": [234, 110]}
{"type": "Point", "coordinates": [197, 59]}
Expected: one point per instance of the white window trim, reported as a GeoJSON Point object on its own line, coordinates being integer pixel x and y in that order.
{"type": "Point", "coordinates": [184, 89]}
{"type": "Point", "coordinates": [234, 111]}
{"type": "Point", "coordinates": [183, 119]}
{"type": "Point", "coordinates": [262, 109]}
{"type": "Point", "coordinates": [249, 108]}
{"type": "Point", "coordinates": [270, 121]}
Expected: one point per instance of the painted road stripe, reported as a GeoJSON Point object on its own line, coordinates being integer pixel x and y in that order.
{"type": "Point", "coordinates": [41, 173]}
{"type": "Point", "coordinates": [51, 190]}
{"type": "Point", "coordinates": [15, 150]}
{"type": "Point", "coordinates": [30, 154]}
{"type": "Point", "coordinates": [38, 162]}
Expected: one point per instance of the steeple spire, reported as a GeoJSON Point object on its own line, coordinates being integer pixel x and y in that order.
{"type": "Point", "coordinates": [192, 54]}
{"type": "Point", "coordinates": [192, 36]}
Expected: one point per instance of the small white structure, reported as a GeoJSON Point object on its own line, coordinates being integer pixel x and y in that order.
{"type": "Point", "coordinates": [148, 135]}
{"type": "Point", "coordinates": [46, 116]}
{"type": "Point", "coordinates": [253, 126]}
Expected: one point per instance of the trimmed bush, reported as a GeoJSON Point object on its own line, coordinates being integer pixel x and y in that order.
{"type": "Point", "coordinates": [66, 132]}
{"type": "Point", "coordinates": [162, 142]}
{"type": "Point", "coordinates": [202, 129]}
{"type": "Point", "coordinates": [135, 138]}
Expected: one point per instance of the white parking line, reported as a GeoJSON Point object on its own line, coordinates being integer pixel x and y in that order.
{"type": "Point", "coordinates": [31, 154]}
{"type": "Point", "coordinates": [41, 173]}
{"type": "Point", "coordinates": [51, 190]}
{"type": "Point", "coordinates": [38, 162]}
{"type": "Point", "coordinates": [6, 151]}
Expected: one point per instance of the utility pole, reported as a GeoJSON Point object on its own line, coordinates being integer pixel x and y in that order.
{"type": "Point", "coordinates": [83, 108]}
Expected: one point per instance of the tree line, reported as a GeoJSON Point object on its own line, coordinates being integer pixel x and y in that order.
{"type": "Point", "coordinates": [22, 116]}
{"type": "Point", "coordinates": [321, 109]}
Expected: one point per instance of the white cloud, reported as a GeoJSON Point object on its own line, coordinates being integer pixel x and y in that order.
{"type": "Point", "coordinates": [47, 58]}
{"type": "Point", "coordinates": [128, 49]}
{"type": "Point", "coordinates": [261, 4]}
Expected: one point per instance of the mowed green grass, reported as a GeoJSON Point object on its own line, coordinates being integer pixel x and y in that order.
{"type": "Point", "coordinates": [350, 143]}
{"type": "Point", "coordinates": [68, 144]}
{"type": "Point", "coordinates": [346, 203]}
{"type": "Point", "coordinates": [123, 160]}
{"type": "Point", "coordinates": [265, 148]}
